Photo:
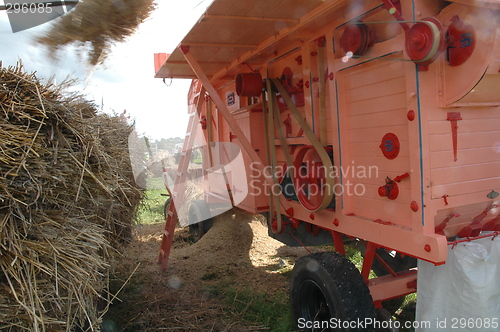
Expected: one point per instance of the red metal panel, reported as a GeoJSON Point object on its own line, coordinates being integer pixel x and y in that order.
{"type": "Point", "coordinates": [160, 59]}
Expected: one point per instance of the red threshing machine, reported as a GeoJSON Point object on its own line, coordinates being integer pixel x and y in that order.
{"type": "Point", "coordinates": [374, 120]}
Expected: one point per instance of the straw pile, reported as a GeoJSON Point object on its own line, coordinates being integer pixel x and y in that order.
{"type": "Point", "coordinates": [98, 24]}
{"type": "Point", "coordinates": [67, 199]}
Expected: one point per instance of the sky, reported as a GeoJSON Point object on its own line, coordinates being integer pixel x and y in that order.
{"type": "Point", "coordinates": [126, 80]}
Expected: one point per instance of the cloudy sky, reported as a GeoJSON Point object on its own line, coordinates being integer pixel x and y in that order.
{"type": "Point", "coordinates": [126, 80]}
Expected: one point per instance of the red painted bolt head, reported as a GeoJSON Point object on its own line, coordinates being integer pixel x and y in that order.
{"type": "Point", "coordinates": [336, 222]}
{"type": "Point", "coordinates": [427, 248]}
{"type": "Point", "coordinates": [414, 206]}
{"type": "Point", "coordinates": [411, 115]}
{"type": "Point", "coordinates": [311, 216]}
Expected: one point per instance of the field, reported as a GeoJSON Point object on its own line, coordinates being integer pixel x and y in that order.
{"type": "Point", "coordinates": [234, 279]}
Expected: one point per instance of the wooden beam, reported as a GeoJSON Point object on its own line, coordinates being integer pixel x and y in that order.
{"type": "Point", "coordinates": [306, 19]}
{"type": "Point", "coordinates": [220, 45]}
{"type": "Point", "coordinates": [201, 63]}
{"type": "Point", "coordinates": [221, 106]}
{"type": "Point", "coordinates": [249, 18]}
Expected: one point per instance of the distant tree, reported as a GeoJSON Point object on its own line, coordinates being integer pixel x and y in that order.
{"type": "Point", "coordinates": [163, 144]}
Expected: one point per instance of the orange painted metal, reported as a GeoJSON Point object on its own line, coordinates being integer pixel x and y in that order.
{"type": "Point", "coordinates": [159, 60]}
{"type": "Point", "coordinates": [402, 180]}
{"type": "Point", "coordinates": [249, 84]}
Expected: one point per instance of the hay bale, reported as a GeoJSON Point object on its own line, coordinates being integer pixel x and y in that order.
{"type": "Point", "coordinates": [67, 202]}
{"type": "Point", "coordinates": [97, 24]}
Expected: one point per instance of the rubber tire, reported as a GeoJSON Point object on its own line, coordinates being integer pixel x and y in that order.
{"type": "Point", "coordinates": [328, 278]}
{"type": "Point", "coordinates": [166, 206]}
{"type": "Point", "coordinates": [384, 315]}
{"type": "Point", "coordinates": [197, 225]}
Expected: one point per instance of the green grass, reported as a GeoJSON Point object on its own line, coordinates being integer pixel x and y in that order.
{"type": "Point", "coordinates": [356, 258]}
{"type": "Point", "coordinates": [272, 311]}
{"type": "Point", "coordinates": [151, 209]}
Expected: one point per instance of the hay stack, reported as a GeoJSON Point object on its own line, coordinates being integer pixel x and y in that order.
{"type": "Point", "coordinates": [98, 24]}
{"type": "Point", "coordinates": [67, 197]}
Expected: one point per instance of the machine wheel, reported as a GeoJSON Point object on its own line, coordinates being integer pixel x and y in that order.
{"type": "Point", "coordinates": [199, 219]}
{"type": "Point", "coordinates": [326, 287]}
{"type": "Point", "coordinates": [166, 206]}
{"type": "Point", "coordinates": [384, 315]}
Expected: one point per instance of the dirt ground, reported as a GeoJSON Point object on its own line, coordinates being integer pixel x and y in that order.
{"type": "Point", "coordinates": [235, 257]}
{"type": "Point", "coordinates": [235, 254]}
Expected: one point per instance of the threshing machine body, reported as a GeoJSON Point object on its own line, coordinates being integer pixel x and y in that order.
{"type": "Point", "coordinates": [386, 114]}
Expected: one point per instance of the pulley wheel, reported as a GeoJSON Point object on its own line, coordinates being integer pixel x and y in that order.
{"type": "Point", "coordinates": [355, 39]}
{"type": "Point", "coordinates": [310, 179]}
{"type": "Point", "coordinates": [425, 41]}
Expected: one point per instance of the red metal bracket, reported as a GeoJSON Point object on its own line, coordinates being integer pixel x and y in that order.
{"type": "Point", "coordinates": [294, 222]}
{"type": "Point", "coordinates": [321, 41]}
{"type": "Point", "coordinates": [288, 126]}
{"type": "Point", "coordinates": [439, 229]}
{"type": "Point", "coordinates": [368, 259]}
{"type": "Point", "coordinates": [338, 242]}
{"type": "Point", "coordinates": [475, 227]}
{"type": "Point", "coordinates": [394, 8]}
{"type": "Point", "coordinates": [492, 225]}
{"type": "Point", "coordinates": [453, 117]}
{"type": "Point", "coordinates": [386, 266]}
{"type": "Point", "coordinates": [203, 122]}
{"type": "Point", "coordinates": [401, 177]}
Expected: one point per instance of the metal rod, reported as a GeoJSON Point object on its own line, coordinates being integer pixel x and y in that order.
{"type": "Point", "coordinates": [469, 239]}
{"type": "Point", "coordinates": [275, 207]}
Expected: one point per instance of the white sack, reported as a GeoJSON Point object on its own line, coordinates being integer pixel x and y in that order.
{"type": "Point", "coordinates": [463, 294]}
